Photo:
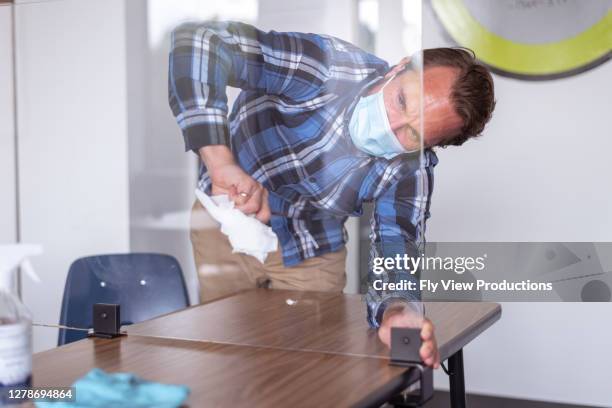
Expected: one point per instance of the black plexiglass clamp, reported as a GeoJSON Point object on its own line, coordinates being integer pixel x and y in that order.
{"type": "Point", "coordinates": [405, 347]}
{"type": "Point", "coordinates": [106, 320]}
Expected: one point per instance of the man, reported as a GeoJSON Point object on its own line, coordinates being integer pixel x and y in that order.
{"type": "Point", "coordinates": [319, 128]}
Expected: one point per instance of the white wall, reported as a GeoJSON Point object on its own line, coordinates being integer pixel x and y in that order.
{"type": "Point", "coordinates": [8, 219]}
{"type": "Point", "coordinates": [390, 24]}
{"type": "Point", "coordinates": [337, 18]}
{"type": "Point", "coordinates": [71, 88]}
{"type": "Point", "coordinates": [540, 173]}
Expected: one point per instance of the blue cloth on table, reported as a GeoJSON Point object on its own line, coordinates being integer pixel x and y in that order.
{"type": "Point", "coordinates": [121, 390]}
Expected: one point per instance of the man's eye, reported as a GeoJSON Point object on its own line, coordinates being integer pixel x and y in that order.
{"type": "Point", "coordinates": [401, 101]}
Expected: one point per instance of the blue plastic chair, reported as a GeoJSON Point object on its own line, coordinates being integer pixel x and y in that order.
{"type": "Point", "coordinates": [145, 285]}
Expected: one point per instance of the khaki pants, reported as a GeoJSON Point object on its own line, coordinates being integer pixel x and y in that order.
{"type": "Point", "coordinates": [222, 272]}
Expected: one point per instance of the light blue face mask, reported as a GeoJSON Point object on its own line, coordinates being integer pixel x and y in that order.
{"type": "Point", "coordinates": [370, 129]}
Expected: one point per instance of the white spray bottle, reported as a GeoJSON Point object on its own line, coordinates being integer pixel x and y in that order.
{"type": "Point", "coordinates": [15, 320]}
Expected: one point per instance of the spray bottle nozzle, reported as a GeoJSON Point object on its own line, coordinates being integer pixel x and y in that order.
{"type": "Point", "coordinates": [13, 256]}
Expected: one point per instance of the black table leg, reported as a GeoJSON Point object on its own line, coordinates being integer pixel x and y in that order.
{"type": "Point", "coordinates": [457, 384]}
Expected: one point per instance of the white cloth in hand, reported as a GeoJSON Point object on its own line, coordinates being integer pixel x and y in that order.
{"type": "Point", "coordinates": [245, 232]}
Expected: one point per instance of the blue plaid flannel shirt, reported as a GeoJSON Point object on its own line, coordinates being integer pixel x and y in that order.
{"type": "Point", "coordinates": [288, 130]}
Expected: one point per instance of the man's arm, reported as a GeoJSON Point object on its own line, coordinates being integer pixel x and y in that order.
{"type": "Point", "coordinates": [206, 57]}
{"type": "Point", "coordinates": [398, 229]}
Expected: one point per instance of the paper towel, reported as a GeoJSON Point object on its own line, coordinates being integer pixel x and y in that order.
{"type": "Point", "coordinates": [245, 232]}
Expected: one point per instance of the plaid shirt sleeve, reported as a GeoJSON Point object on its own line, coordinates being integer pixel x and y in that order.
{"type": "Point", "coordinates": [206, 57]}
{"type": "Point", "coordinates": [398, 223]}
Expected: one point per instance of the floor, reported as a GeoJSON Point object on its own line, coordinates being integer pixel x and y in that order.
{"type": "Point", "coordinates": [441, 400]}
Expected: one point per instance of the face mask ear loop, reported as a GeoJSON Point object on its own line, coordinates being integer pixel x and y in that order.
{"type": "Point", "coordinates": [387, 83]}
{"type": "Point", "coordinates": [393, 76]}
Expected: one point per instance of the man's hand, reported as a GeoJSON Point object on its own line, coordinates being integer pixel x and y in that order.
{"type": "Point", "coordinates": [228, 178]}
{"type": "Point", "coordinates": [401, 315]}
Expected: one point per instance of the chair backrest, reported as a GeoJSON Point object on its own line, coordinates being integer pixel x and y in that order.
{"type": "Point", "coordinates": [144, 285]}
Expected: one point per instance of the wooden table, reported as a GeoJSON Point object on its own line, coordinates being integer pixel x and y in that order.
{"type": "Point", "coordinates": [269, 348]}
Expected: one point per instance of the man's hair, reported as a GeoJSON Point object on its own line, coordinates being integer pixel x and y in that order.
{"type": "Point", "coordinates": [472, 93]}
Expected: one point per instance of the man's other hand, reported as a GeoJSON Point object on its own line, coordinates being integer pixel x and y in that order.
{"type": "Point", "coordinates": [402, 315]}
{"type": "Point", "coordinates": [228, 178]}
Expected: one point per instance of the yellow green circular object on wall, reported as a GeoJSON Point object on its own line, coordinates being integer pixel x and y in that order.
{"type": "Point", "coordinates": [531, 39]}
